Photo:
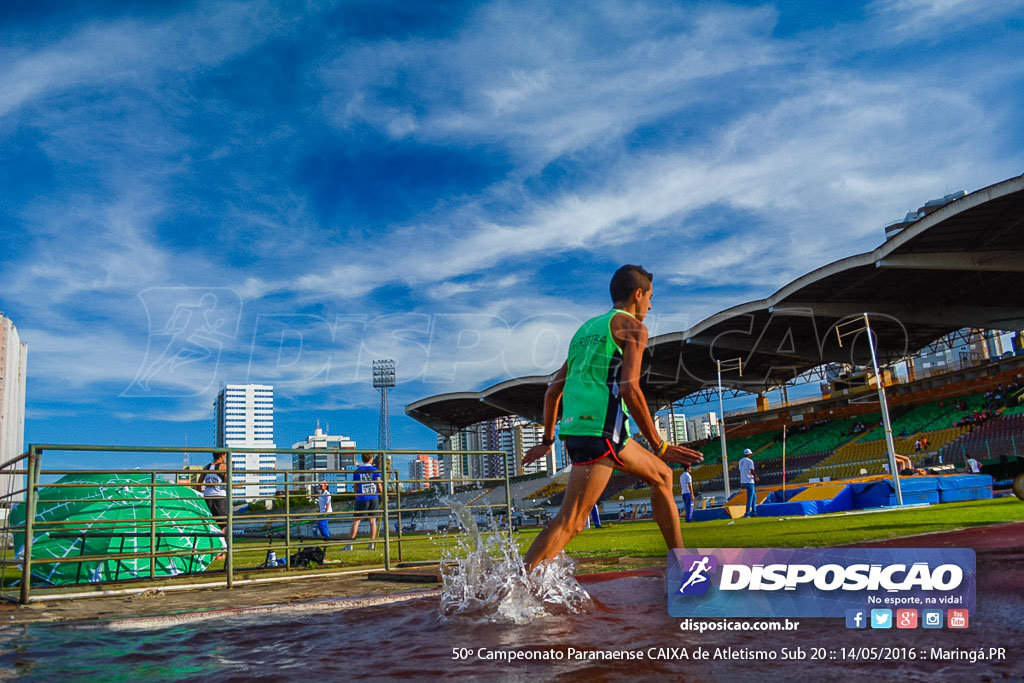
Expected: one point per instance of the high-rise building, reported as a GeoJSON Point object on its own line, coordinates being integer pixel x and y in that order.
{"type": "Point", "coordinates": [245, 419]}
{"type": "Point", "coordinates": [672, 427]}
{"type": "Point", "coordinates": [676, 427]}
{"type": "Point", "coordinates": [526, 436]}
{"type": "Point", "coordinates": [317, 459]}
{"type": "Point", "coordinates": [423, 467]}
{"type": "Point", "coordinates": [13, 365]}
{"type": "Point", "coordinates": [463, 465]}
{"type": "Point", "coordinates": [503, 438]}
{"type": "Point", "coordinates": [702, 427]}
{"type": "Point", "coordinates": [512, 436]}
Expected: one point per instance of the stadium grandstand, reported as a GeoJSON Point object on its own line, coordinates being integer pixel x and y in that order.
{"type": "Point", "coordinates": [955, 269]}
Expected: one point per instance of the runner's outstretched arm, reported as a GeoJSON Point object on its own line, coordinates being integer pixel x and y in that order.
{"type": "Point", "coordinates": [652, 467]}
{"type": "Point", "coordinates": [552, 397]}
{"type": "Point", "coordinates": [631, 334]}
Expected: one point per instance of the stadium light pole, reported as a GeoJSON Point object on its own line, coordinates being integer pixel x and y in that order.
{"type": "Point", "coordinates": [383, 378]}
{"type": "Point", "coordinates": [737, 364]}
{"type": "Point", "coordinates": [883, 403]}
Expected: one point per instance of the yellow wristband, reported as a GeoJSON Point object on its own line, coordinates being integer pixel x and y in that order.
{"type": "Point", "coordinates": [662, 448]}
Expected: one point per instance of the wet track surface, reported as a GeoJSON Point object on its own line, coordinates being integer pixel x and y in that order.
{"type": "Point", "coordinates": [407, 639]}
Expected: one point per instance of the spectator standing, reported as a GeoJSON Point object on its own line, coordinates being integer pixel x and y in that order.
{"type": "Point", "coordinates": [325, 508]}
{"type": "Point", "coordinates": [366, 477]}
{"type": "Point", "coordinates": [748, 477]}
{"type": "Point", "coordinates": [686, 488]}
{"type": "Point", "coordinates": [214, 493]}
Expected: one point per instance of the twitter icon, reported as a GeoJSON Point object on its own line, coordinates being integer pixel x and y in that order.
{"type": "Point", "coordinates": [881, 618]}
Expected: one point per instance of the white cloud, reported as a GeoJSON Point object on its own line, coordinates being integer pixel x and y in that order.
{"type": "Point", "coordinates": [906, 16]}
{"type": "Point", "coordinates": [131, 51]}
{"type": "Point", "coordinates": [825, 155]}
{"type": "Point", "coordinates": [547, 82]}
{"type": "Point", "coordinates": [767, 163]}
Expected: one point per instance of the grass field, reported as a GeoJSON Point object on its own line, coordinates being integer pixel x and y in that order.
{"type": "Point", "coordinates": [643, 540]}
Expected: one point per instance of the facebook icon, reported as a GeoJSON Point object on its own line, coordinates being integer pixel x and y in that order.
{"type": "Point", "coordinates": [855, 618]}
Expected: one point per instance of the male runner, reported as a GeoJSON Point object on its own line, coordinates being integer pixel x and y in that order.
{"type": "Point", "coordinates": [600, 382]}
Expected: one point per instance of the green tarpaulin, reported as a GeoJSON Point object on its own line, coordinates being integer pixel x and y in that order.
{"type": "Point", "coordinates": [104, 520]}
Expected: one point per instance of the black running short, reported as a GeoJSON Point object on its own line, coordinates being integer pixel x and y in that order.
{"type": "Point", "coordinates": [218, 507]}
{"type": "Point", "coordinates": [586, 450]}
{"type": "Point", "coordinates": [367, 506]}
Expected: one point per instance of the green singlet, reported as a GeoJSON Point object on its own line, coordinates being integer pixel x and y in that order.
{"type": "Point", "coordinates": [591, 405]}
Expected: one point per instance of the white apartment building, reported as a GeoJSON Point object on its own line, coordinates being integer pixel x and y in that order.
{"type": "Point", "coordinates": [675, 428]}
{"type": "Point", "coordinates": [245, 419]}
{"type": "Point", "coordinates": [702, 427]}
{"type": "Point", "coordinates": [13, 366]}
{"type": "Point", "coordinates": [515, 439]}
{"type": "Point", "coordinates": [456, 465]}
{"type": "Point", "coordinates": [316, 443]}
{"type": "Point", "coordinates": [462, 465]}
{"type": "Point", "coordinates": [526, 437]}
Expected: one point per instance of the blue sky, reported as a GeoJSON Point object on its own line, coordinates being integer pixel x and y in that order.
{"type": "Point", "coordinates": [447, 184]}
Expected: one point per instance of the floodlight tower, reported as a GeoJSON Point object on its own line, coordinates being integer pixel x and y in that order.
{"type": "Point", "coordinates": [384, 377]}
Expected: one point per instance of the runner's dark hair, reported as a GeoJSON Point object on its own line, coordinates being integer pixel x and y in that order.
{"type": "Point", "coordinates": [627, 280]}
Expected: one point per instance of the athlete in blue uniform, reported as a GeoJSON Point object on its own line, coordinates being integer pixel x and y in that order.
{"type": "Point", "coordinates": [367, 478]}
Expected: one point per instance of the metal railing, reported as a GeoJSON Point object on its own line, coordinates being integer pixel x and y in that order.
{"type": "Point", "coordinates": [191, 532]}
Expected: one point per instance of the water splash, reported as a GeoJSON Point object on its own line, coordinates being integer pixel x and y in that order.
{"type": "Point", "coordinates": [484, 579]}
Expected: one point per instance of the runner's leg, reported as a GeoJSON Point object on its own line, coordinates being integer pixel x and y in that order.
{"type": "Point", "coordinates": [586, 483]}
{"type": "Point", "coordinates": [637, 460]}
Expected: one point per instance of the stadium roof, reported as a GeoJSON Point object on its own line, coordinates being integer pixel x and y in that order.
{"type": "Point", "coordinates": [962, 265]}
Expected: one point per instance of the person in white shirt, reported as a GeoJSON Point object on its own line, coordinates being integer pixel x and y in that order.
{"type": "Point", "coordinates": [973, 466]}
{"type": "Point", "coordinates": [686, 487]}
{"type": "Point", "coordinates": [748, 477]}
{"type": "Point", "coordinates": [325, 508]}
